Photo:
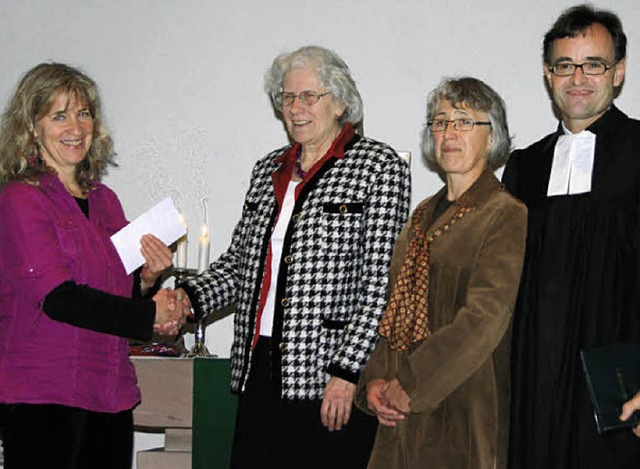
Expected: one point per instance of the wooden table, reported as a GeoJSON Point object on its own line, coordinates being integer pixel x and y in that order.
{"type": "Point", "coordinates": [167, 404]}
{"type": "Point", "coordinates": [190, 400]}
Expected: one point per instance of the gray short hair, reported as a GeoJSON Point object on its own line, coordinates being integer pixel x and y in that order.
{"type": "Point", "coordinates": [332, 72]}
{"type": "Point", "coordinates": [478, 96]}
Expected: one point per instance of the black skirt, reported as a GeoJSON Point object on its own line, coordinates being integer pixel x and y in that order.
{"type": "Point", "coordinates": [272, 432]}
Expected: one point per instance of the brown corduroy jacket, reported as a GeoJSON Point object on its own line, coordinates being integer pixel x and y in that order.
{"type": "Point", "coordinates": [457, 378]}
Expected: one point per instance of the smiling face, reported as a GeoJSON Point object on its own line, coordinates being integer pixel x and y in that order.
{"type": "Point", "coordinates": [65, 133]}
{"type": "Point", "coordinates": [462, 155]}
{"type": "Point", "coordinates": [314, 127]}
{"type": "Point", "coordinates": [581, 98]}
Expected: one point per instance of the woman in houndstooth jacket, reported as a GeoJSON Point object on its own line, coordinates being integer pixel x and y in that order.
{"type": "Point", "coordinates": [307, 267]}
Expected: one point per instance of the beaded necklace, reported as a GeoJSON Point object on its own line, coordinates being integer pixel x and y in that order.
{"type": "Point", "coordinates": [299, 171]}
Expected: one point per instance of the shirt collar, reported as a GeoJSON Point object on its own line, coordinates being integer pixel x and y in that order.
{"type": "Point", "coordinates": [567, 133]}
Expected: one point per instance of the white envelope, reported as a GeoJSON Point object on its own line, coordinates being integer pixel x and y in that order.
{"type": "Point", "coordinates": [163, 220]}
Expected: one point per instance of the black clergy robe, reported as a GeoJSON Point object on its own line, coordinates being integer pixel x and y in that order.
{"type": "Point", "coordinates": [580, 287]}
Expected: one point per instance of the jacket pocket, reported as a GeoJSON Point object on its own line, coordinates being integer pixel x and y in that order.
{"type": "Point", "coordinates": [343, 208]}
{"type": "Point", "coordinates": [70, 237]}
{"type": "Point", "coordinates": [342, 227]}
{"type": "Point", "coordinates": [335, 325]}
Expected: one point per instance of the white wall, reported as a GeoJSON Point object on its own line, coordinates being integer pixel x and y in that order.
{"type": "Point", "coordinates": [182, 80]}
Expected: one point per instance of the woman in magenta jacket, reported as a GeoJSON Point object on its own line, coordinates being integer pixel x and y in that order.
{"type": "Point", "coordinates": [67, 387]}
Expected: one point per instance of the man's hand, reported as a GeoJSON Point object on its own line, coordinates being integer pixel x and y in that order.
{"type": "Point", "coordinates": [629, 408]}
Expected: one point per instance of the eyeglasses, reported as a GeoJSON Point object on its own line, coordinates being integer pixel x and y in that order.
{"type": "Point", "coordinates": [308, 98]}
{"type": "Point", "coordinates": [566, 69]}
{"type": "Point", "coordinates": [440, 125]}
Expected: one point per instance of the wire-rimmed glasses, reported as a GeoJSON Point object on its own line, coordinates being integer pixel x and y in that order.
{"type": "Point", "coordinates": [308, 98]}
{"type": "Point", "coordinates": [464, 124]}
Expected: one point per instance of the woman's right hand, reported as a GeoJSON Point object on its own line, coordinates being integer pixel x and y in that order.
{"type": "Point", "coordinates": [183, 298]}
{"type": "Point", "coordinates": [170, 313]}
{"type": "Point", "coordinates": [379, 405]}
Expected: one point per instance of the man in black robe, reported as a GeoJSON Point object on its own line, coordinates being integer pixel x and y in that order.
{"type": "Point", "coordinates": [580, 285]}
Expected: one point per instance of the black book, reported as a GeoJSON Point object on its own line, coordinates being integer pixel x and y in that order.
{"type": "Point", "coordinates": [613, 377]}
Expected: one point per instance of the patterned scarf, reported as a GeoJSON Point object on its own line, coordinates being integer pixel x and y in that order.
{"type": "Point", "coordinates": [406, 319]}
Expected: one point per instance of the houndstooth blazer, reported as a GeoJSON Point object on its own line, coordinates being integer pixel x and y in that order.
{"type": "Point", "coordinates": [331, 286]}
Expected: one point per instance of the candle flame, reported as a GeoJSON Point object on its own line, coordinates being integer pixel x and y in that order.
{"type": "Point", "coordinates": [205, 231]}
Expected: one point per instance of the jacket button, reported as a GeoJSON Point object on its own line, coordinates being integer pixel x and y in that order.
{"type": "Point", "coordinates": [285, 302]}
{"type": "Point", "coordinates": [295, 217]}
{"type": "Point", "coordinates": [288, 259]}
{"type": "Point", "coordinates": [282, 345]}
{"type": "Point", "coordinates": [343, 208]}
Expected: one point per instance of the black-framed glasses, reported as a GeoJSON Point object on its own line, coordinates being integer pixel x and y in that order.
{"type": "Point", "coordinates": [308, 98]}
{"type": "Point", "coordinates": [593, 67]}
{"type": "Point", "coordinates": [440, 125]}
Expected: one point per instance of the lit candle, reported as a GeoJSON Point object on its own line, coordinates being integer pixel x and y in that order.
{"type": "Point", "coordinates": [203, 250]}
{"type": "Point", "coordinates": [181, 251]}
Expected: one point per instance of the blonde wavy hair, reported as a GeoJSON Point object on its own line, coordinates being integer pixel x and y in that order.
{"type": "Point", "coordinates": [35, 94]}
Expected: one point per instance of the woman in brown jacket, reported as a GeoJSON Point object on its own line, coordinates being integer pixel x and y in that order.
{"type": "Point", "coordinates": [438, 379]}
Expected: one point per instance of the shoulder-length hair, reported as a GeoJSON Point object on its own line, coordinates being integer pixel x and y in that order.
{"type": "Point", "coordinates": [331, 71]}
{"type": "Point", "coordinates": [20, 157]}
{"type": "Point", "coordinates": [476, 95]}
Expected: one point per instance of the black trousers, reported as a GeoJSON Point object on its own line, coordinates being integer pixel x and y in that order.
{"type": "Point", "coordinates": [271, 432]}
{"type": "Point", "coordinates": [59, 437]}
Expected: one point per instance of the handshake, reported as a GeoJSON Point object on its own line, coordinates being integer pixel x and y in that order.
{"type": "Point", "coordinates": [172, 310]}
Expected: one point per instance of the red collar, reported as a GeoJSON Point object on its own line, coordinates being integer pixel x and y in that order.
{"type": "Point", "coordinates": [336, 150]}
{"type": "Point", "coordinates": [282, 175]}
